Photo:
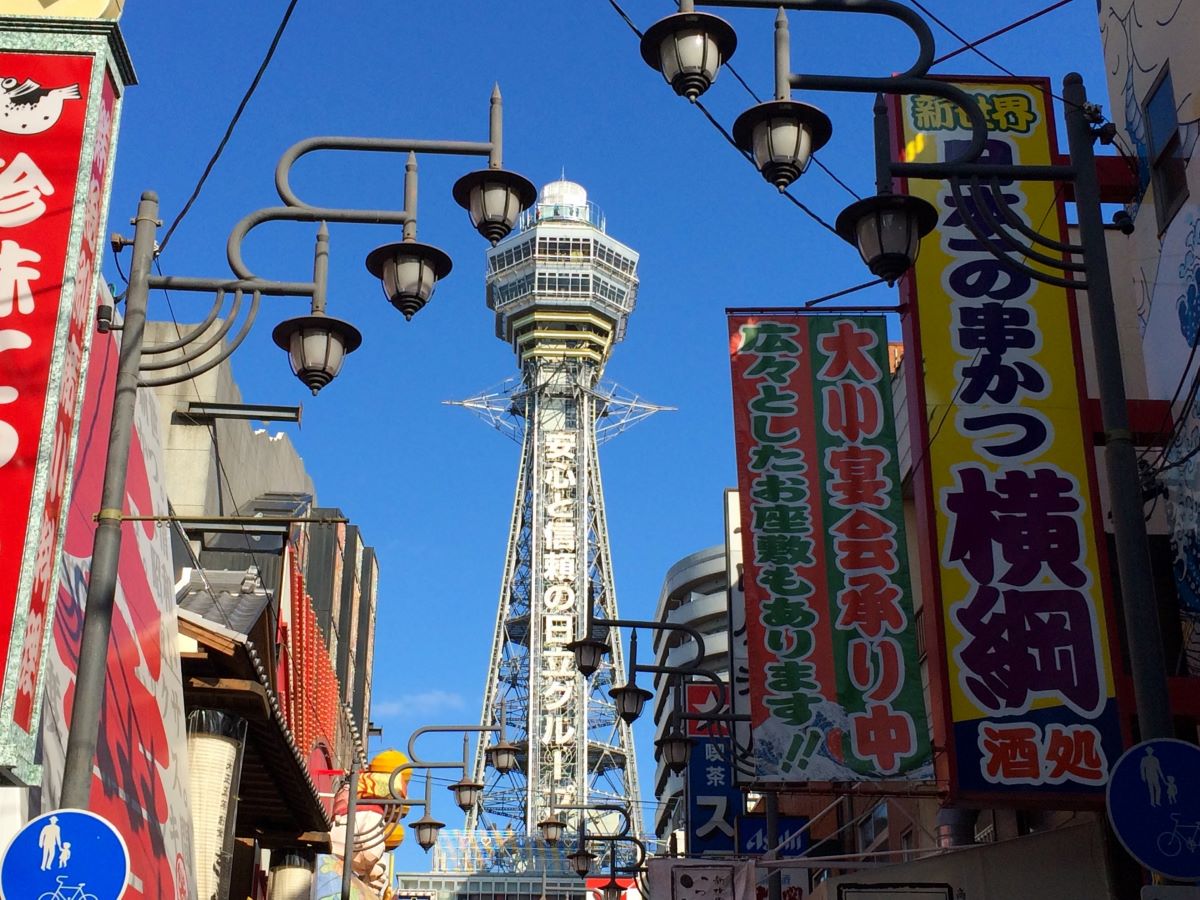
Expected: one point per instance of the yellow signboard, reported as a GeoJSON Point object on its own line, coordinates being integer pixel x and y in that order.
{"type": "Point", "coordinates": [1028, 705]}
{"type": "Point", "coordinates": [73, 9]}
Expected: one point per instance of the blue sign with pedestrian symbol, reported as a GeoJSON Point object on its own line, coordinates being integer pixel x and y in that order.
{"type": "Point", "coordinates": [1154, 806]}
{"type": "Point", "coordinates": [69, 854]}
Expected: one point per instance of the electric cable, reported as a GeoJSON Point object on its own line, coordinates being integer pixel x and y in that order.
{"type": "Point", "coordinates": [968, 45]}
{"type": "Point", "coordinates": [995, 34]}
{"type": "Point", "coordinates": [262, 68]}
{"type": "Point", "coordinates": [117, 261]}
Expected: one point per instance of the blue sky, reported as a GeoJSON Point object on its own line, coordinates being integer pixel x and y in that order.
{"type": "Point", "coordinates": [431, 486]}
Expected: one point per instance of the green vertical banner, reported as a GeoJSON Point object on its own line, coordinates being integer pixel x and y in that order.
{"type": "Point", "coordinates": [835, 681]}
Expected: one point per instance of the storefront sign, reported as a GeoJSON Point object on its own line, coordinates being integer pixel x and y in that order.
{"type": "Point", "coordinates": [835, 687]}
{"type": "Point", "coordinates": [714, 800]}
{"type": "Point", "coordinates": [1004, 480]}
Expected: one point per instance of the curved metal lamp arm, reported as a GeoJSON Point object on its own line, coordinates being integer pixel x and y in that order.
{"type": "Point", "coordinates": [911, 81]}
{"type": "Point", "coordinates": [225, 353]}
{"type": "Point", "coordinates": [707, 674]}
{"type": "Point", "coordinates": [613, 867]}
{"type": "Point", "coordinates": [376, 145]}
{"type": "Point", "coordinates": [889, 8]}
{"type": "Point", "coordinates": [191, 354]}
{"type": "Point", "coordinates": [192, 333]}
{"type": "Point", "coordinates": [695, 635]}
{"type": "Point", "coordinates": [626, 824]}
{"type": "Point", "coordinates": [1000, 253]}
{"type": "Point", "coordinates": [982, 207]}
{"type": "Point", "coordinates": [1020, 225]}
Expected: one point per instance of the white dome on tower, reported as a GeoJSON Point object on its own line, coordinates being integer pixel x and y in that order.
{"type": "Point", "coordinates": [565, 193]}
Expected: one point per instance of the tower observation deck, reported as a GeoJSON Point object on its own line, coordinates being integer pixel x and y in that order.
{"type": "Point", "coordinates": [562, 290]}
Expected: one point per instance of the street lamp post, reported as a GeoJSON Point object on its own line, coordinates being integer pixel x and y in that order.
{"type": "Point", "coordinates": [503, 757]}
{"type": "Point", "coordinates": [689, 49]}
{"type": "Point", "coordinates": [581, 860]}
{"type": "Point", "coordinates": [316, 345]}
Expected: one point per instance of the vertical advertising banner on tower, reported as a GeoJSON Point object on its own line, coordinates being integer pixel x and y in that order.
{"type": "Point", "coordinates": [835, 684]}
{"type": "Point", "coordinates": [1003, 479]}
{"type": "Point", "coordinates": [57, 114]}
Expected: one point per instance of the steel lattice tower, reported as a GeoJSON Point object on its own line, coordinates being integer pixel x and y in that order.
{"type": "Point", "coordinates": [562, 291]}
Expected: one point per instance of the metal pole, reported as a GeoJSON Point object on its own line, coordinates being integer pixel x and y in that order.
{"type": "Point", "coordinates": [320, 270]}
{"type": "Point", "coordinates": [496, 129]}
{"type": "Point", "coordinates": [1138, 602]}
{"type": "Point", "coordinates": [348, 843]}
{"type": "Point", "coordinates": [775, 879]}
{"type": "Point", "coordinates": [883, 147]}
{"type": "Point", "coordinates": [91, 674]}
{"type": "Point", "coordinates": [783, 57]}
{"type": "Point", "coordinates": [410, 197]}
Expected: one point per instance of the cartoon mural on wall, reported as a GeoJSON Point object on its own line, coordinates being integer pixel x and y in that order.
{"type": "Point", "coordinates": [1143, 40]}
{"type": "Point", "coordinates": [1172, 329]}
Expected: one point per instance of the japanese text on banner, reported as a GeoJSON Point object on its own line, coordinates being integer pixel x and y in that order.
{"type": "Point", "coordinates": [1030, 698]}
{"type": "Point", "coordinates": [835, 684]}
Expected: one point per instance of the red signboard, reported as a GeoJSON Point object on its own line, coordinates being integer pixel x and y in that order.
{"type": "Point", "coordinates": [42, 114]}
{"type": "Point", "coordinates": [140, 782]}
{"type": "Point", "coordinates": [706, 700]}
{"type": "Point", "coordinates": [68, 407]}
{"type": "Point", "coordinates": [835, 686]}
{"type": "Point", "coordinates": [629, 891]}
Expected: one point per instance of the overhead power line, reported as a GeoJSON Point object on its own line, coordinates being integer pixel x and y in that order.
{"type": "Point", "coordinates": [973, 45]}
{"type": "Point", "coordinates": [262, 68]}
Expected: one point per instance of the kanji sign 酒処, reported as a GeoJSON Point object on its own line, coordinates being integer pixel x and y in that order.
{"type": "Point", "coordinates": [1004, 477]}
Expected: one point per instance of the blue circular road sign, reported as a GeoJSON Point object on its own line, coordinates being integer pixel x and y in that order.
{"type": "Point", "coordinates": [1154, 806]}
{"type": "Point", "coordinates": [68, 854]}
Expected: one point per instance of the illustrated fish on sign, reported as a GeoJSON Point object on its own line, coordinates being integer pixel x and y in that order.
{"type": "Point", "coordinates": [28, 108]}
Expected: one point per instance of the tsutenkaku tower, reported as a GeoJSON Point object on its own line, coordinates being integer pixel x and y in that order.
{"type": "Point", "coordinates": [562, 291]}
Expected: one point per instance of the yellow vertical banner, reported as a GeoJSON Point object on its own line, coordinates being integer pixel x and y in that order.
{"type": "Point", "coordinates": [1022, 668]}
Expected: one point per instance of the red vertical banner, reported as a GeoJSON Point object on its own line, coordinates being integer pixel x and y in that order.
{"type": "Point", "coordinates": [68, 408]}
{"type": "Point", "coordinates": [39, 167]}
{"type": "Point", "coordinates": [834, 680]}
{"type": "Point", "coordinates": [57, 120]}
{"type": "Point", "coordinates": [140, 780]}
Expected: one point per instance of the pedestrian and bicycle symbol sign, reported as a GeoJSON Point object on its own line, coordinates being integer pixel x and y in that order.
{"type": "Point", "coordinates": [69, 854]}
{"type": "Point", "coordinates": [1154, 806]}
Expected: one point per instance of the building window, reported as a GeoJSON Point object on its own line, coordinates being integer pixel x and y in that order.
{"type": "Point", "coordinates": [1168, 166]}
{"type": "Point", "coordinates": [873, 826]}
{"type": "Point", "coordinates": [907, 844]}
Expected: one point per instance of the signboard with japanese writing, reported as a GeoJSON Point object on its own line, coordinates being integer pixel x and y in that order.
{"type": "Point", "coordinates": [141, 770]}
{"type": "Point", "coordinates": [835, 687]}
{"type": "Point", "coordinates": [739, 660]}
{"type": "Point", "coordinates": [57, 119]}
{"type": "Point", "coordinates": [1004, 481]}
{"type": "Point", "coordinates": [714, 800]}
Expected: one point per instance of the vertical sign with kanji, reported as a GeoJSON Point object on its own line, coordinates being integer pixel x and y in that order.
{"type": "Point", "coordinates": [713, 796]}
{"type": "Point", "coordinates": [1003, 479]}
{"type": "Point", "coordinates": [835, 685]}
{"type": "Point", "coordinates": [57, 121]}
